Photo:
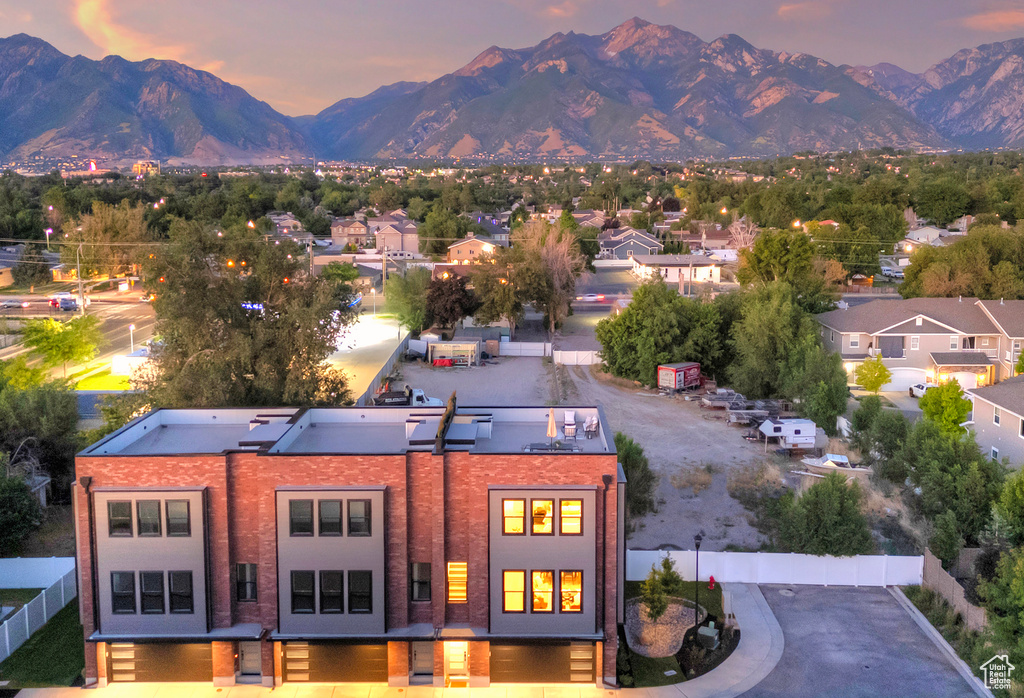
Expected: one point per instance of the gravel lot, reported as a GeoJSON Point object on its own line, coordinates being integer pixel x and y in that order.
{"type": "Point", "coordinates": [510, 380]}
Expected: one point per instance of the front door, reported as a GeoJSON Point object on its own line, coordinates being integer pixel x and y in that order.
{"type": "Point", "coordinates": [250, 660]}
{"type": "Point", "coordinates": [423, 660]}
{"type": "Point", "coordinates": [456, 663]}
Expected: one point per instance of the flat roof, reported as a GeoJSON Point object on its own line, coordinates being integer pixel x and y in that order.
{"type": "Point", "coordinates": [359, 430]}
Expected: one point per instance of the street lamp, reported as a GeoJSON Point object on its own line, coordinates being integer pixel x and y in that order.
{"type": "Point", "coordinates": [696, 579]}
{"type": "Point", "coordinates": [131, 336]}
{"type": "Point", "coordinates": [49, 232]}
{"type": "Point", "coordinates": [373, 292]}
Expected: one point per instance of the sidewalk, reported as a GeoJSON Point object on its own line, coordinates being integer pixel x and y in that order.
{"type": "Point", "coordinates": [760, 648]}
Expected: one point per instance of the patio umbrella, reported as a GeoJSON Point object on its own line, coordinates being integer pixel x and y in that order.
{"type": "Point", "coordinates": [552, 429]}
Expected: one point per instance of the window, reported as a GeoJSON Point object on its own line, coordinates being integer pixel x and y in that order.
{"type": "Point", "coordinates": [359, 517]}
{"type": "Point", "coordinates": [513, 585]}
{"type": "Point", "coordinates": [458, 580]}
{"type": "Point", "coordinates": [796, 432]}
{"type": "Point", "coordinates": [360, 591]}
{"type": "Point", "coordinates": [149, 517]}
{"type": "Point", "coordinates": [543, 517]}
{"type": "Point", "coordinates": [179, 523]}
{"type": "Point", "coordinates": [984, 341]}
{"type": "Point", "coordinates": [968, 343]}
{"type": "Point", "coordinates": [954, 343]}
{"type": "Point", "coordinates": [919, 321]}
{"type": "Point", "coordinates": [330, 517]}
{"type": "Point", "coordinates": [331, 592]}
{"type": "Point", "coordinates": [543, 589]}
{"type": "Point", "coordinates": [181, 591]}
{"type": "Point", "coordinates": [854, 342]}
{"type": "Point", "coordinates": [119, 519]}
{"type": "Point", "coordinates": [300, 517]}
{"type": "Point", "coordinates": [122, 589]}
{"type": "Point", "coordinates": [420, 586]}
{"type": "Point", "coordinates": [302, 592]}
{"type": "Point", "coordinates": [995, 454]}
{"type": "Point", "coordinates": [996, 415]}
{"type": "Point", "coordinates": [245, 581]}
{"type": "Point", "coordinates": [572, 591]}
{"type": "Point", "coordinates": [513, 517]}
{"type": "Point", "coordinates": [915, 343]}
{"type": "Point", "coordinates": [152, 591]}
{"type": "Point", "coordinates": [571, 517]}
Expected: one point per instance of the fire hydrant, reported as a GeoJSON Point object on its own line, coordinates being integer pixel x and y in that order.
{"type": "Point", "coordinates": [711, 583]}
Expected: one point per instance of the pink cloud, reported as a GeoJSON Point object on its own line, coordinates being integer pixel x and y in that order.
{"type": "Point", "coordinates": [995, 20]}
{"type": "Point", "coordinates": [808, 10]}
{"type": "Point", "coordinates": [97, 21]}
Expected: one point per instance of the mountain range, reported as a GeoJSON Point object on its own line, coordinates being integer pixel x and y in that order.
{"type": "Point", "coordinates": [638, 91]}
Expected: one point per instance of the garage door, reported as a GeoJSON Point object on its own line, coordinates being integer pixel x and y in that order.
{"type": "Point", "coordinates": [542, 663]}
{"type": "Point", "coordinates": [160, 662]}
{"type": "Point", "coordinates": [966, 380]}
{"type": "Point", "coordinates": [903, 378]}
{"type": "Point", "coordinates": [335, 662]}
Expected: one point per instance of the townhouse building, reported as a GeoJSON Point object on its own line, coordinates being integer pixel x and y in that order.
{"type": "Point", "coordinates": [930, 339]}
{"type": "Point", "coordinates": [998, 420]}
{"type": "Point", "coordinates": [624, 243]}
{"type": "Point", "coordinates": [448, 546]}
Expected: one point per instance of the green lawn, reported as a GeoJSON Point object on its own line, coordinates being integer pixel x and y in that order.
{"type": "Point", "coordinates": [17, 597]}
{"type": "Point", "coordinates": [649, 672]}
{"type": "Point", "coordinates": [104, 381]}
{"type": "Point", "coordinates": [711, 600]}
{"type": "Point", "coordinates": [54, 656]}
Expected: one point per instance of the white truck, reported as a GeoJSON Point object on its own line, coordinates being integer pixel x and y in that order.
{"type": "Point", "coordinates": [409, 397]}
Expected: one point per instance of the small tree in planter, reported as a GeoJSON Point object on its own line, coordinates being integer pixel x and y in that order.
{"type": "Point", "coordinates": [653, 596]}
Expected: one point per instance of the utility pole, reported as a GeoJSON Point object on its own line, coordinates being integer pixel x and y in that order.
{"type": "Point", "coordinates": [309, 249]}
{"type": "Point", "coordinates": [78, 273]}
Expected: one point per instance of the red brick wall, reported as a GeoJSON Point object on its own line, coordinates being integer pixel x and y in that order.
{"type": "Point", "coordinates": [398, 660]}
{"type": "Point", "coordinates": [223, 659]}
{"type": "Point", "coordinates": [480, 659]}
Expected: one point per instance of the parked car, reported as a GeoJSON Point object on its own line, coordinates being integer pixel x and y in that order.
{"type": "Point", "coordinates": [12, 303]}
{"type": "Point", "coordinates": [921, 388]}
{"type": "Point", "coordinates": [68, 304]}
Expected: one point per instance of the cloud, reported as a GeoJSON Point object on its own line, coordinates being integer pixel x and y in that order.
{"type": "Point", "coordinates": [806, 11]}
{"type": "Point", "coordinates": [568, 8]}
{"type": "Point", "coordinates": [97, 21]}
{"type": "Point", "coordinates": [995, 20]}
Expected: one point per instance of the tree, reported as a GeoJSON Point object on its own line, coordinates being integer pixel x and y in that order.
{"type": "Point", "coordinates": [107, 240]}
{"type": "Point", "coordinates": [653, 596]}
{"type": "Point", "coordinates": [500, 296]}
{"type": "Point", "coordinates": [19, 514]}
{"type": "Point", "coordinates": [1011, 506]}
{"type": "Point", "coordinates": [59, 343]}
{"type": "Point", "coordinates": [407, 299]}
{"type": "Point", "coordinates": [816, 380]}
{"type": "Point", "coordinates": [551, 263]}
{"type": "Point", "coordinates": [827, 520]}
{"type": "Point", "coordinates": [1004, 599]}
{"type": "Point", "coordinates": [777, 255]}
{"type": "Point", "coordinates": [640, 494]}
{"type": "Point", "coordinates": [946, 540]}
{"type": "Point", "coordinates": [947, 407]}
{"type": "Point", "coordinates": [872, 374]}
{"type": "Point", "coordinates": [241, 324]}
{"type": "Point", "coordinates": [448, 300]}
{"type": "Point", "coordinates": [32, 268]}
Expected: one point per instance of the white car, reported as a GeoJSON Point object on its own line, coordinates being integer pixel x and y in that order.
{"type": "Point", "coordinates": [921, 388]}
{"type": "Point", "coordinates": [591, 298]}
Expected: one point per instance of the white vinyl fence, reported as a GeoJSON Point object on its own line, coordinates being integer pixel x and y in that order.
{"type": "Point", "coordinates": [784, 568]}
{"type": "Point", "coordinates": [34, 615]}
{"type": "Point", "coordinates": [371, 390]}
{"type": "Point", "coordinates": [524, 349]}
{"type": "Point", "coordinates": [576, 358]}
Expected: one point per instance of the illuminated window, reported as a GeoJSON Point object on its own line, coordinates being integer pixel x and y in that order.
{"type": "Point", "coordinates": [543, 517]}
{"type": "Point", "coordinates": [543, 590]}
{"type": "Point", "coordinates": [572, 591]}
{"type": "Point", "coordinates": [458, 575]}
{"type": "Point", "coordinates": [514, 590]}
{"type": "Point", "coordinates": [571, 517]}
{"type": "Point", "coordinates": [513, 517]}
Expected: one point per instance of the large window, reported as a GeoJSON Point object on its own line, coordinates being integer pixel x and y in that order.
{"type": "Point", "coordinates": [571, 591]}
{"type": "Point", "coordinates": [543, 516]}
{"type": "Point", "coordinates": [420, 582]}
{"type": "Point", "coordinates": [181, 591]}
{"type": "Point", "coordinates": [300, 517]}
{"type": "Point", "coordinates": [119, 518]}
{"type": "Point", "coordinates": [360, 591]}
{"type": "Point", "coordinates": [331, 592]}
{"type": "Point", "coordinates": [514, 591]}
{"type": "Point", "coordinates": [571, 517]}
{"type": "Point", "coordinates": [149, 517]}
{"type": "Point", "coordinates": [179, 523]}
{"type": "Point", "coordinates": [245, 581]}
{"type": "Point", "coordinates": [122, 588]}
{"type": "Point", "coordinates": [458, 581]}
{"type": "Point", "coordinates": [152, 591]}
{"type": "Point", "coordinates": [330, 517]}
{"type": "Point", "coordinates": [359, 517]}
{"type": "Point", "coordinates": [542, 591]}
{"type": "Point", "coordinates": [513, 517]}
{"type": "Point", "coordinates": [302, 592]}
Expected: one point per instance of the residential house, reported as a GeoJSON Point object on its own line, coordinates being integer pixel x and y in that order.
{"type": "Point", "coordinates": [9, 258]}
{"type": "Point", "coordinates": [399, 238]}
{"type": "Point", "coordinates": [623, 243]}
{"type": "Point", "coordinates": [930, 339]}
{"type": "Point", "coordinates": [998, 420]}
{"type": "Point", "coordinates": [448, 546]}
{"type": "Point", "coordinates": [588, 218]}
{"type": "Point", "coordinates": [470, 249]}
{"type": "Point", "coordinates": [285, 223]}
{"type": "Point", "coordinates": [678, 268]}
{"type": "Point", "coordinates": [928, 235]}
{"type": "Point", "coordinates": [351, 231]}
{"type": "Point", "coordinates": [491, 224]}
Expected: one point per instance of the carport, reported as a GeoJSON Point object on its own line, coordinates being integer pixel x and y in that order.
{"type": "Point", "coordinates": [971, 369]}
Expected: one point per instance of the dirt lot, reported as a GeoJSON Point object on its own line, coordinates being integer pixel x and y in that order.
{"type": "Point", "coordinates": [688, 447]}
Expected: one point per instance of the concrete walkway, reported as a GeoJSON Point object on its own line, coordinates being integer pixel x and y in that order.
{"type": "Point", "coordinates": [759, 651]}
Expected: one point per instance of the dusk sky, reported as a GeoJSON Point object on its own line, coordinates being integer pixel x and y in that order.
{"type": "Point", "coordinates": [304, 55]}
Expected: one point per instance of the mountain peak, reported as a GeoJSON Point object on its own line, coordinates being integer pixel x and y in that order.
{"type": "Point", "coordinates": [647, 40]}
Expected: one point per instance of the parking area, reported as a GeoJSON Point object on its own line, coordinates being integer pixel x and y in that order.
{"type": "Point", "coordinates": [847, 641]}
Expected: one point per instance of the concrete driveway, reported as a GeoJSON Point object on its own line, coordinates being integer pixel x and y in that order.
{"type": "Point", "coordinates": [848, 642]}
{"type": "Point", "coordinates": [904, 403]}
